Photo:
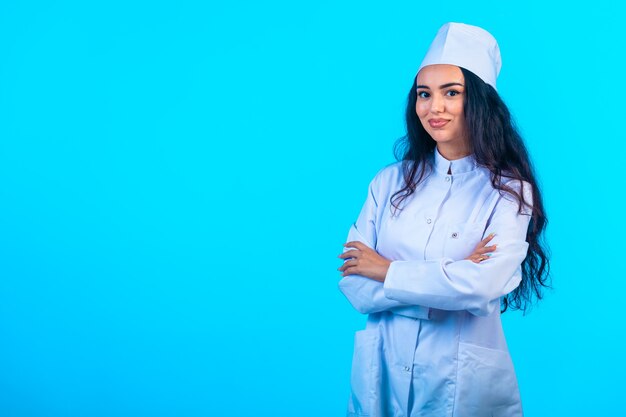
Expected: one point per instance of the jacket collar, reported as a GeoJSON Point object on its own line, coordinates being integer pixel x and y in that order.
{"type": "Point", "coordinates": [456, 166]}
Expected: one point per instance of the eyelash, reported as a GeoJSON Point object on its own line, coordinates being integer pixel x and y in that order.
{"type": "Point", "coordinates": [449, 91]}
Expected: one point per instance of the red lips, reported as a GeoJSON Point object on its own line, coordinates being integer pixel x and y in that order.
{"type": "Point", "coordinates": [437, 122]}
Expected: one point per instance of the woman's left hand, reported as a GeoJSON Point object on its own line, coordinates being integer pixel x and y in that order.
{"type": "Point", "coordinates": [365, 261]}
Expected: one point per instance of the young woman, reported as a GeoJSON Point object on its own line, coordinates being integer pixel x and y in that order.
{"type": "Point", "coordinates": [447, 236]}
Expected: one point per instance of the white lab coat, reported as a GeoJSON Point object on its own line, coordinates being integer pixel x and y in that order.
{"type": "Point", "coordinates": [433, 344]}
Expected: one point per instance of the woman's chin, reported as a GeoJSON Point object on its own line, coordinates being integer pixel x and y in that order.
{"type": "Point", "coordinates": [441, 138]}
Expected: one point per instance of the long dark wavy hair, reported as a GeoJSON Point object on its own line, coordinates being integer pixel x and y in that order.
{"type": "Point", "coordinates": [496, 145]}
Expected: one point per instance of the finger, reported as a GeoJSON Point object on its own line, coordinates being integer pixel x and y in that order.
{"type": "Point", "coordinates": [485, 250]}
{"type": "Point", "coordinates": [477, 258]}
{"type": "Point", "coordinates": [349, 271]}
{"type": "Point", "coordinates": [350, 254]}
{"type": "Point", "coordinates": [353, 253]}
{"type": "Point", "coordinates": [356, 244]}
{"type": "Point", "coordinates": [348, 264]}
{"type": "Point", "coordinates": [474, 259]}
{"type": "Point", "coordinates": [489, 237]}
{"type": "Point", "coordinates": [486, 240]}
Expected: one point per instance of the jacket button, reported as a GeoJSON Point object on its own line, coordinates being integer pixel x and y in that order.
{"type": "Point", "coordinates": [455, 235]}
{"type": "Point", "coordinates": [406, 368]}
{"type": "Point", "coordinates": [428, 221]}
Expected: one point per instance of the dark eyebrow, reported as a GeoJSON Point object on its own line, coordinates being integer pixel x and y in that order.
{"type": "Point", "coordinates": [441, 86]}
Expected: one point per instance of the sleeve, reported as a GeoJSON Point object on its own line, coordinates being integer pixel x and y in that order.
{"type": "Point", "coordinates": [464, 285]}
{"type": "Point", "coordinates": [367, 295]}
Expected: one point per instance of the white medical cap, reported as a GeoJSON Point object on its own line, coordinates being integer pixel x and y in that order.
{"type": "Point", "coordinates": [466, 46]}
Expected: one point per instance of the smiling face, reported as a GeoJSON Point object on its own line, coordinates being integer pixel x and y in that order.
{"type": "Point", "coordinates": [439, 106]}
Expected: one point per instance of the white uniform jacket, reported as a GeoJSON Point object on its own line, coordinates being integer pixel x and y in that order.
{"type": "Point", "coordinates": [433, 344]}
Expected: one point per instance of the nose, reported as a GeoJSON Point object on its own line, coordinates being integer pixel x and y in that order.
{"type": "Point", "coordinates": [436, 104]}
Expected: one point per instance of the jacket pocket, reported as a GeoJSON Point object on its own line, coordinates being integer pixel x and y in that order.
{"type": "Point", "coordinates": [461, 239]}
{"type": "Point", "coordinates": [365, 374]}
{"type": "Point", "coordinates": [486, 383]}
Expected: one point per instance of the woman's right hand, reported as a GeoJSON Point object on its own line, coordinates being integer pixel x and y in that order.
{"type": "Point", "coordinates": [481, 251]}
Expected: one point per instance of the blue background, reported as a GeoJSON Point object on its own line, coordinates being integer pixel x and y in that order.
{"type": "Point", "coordinates": [177, 178]}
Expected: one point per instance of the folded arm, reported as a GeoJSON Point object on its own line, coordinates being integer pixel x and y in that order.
{"type": "Point", "coordinates": [464, 285]}
{"type": "Point", "coordinates": [366, 295]}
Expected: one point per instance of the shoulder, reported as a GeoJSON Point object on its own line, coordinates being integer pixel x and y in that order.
{"type": "Point", "coordinates": [507, 180]}
{"type": "Point", "coordinates": [388, 177]}
{"type": "Point", "coordinates": [389, 171]}
{"type": "Point", "coordinates": [518, 186]}
{"type": "Point", "coordinates": [511, 188]}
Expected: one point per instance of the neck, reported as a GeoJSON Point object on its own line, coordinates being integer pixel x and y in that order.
{"type": "Point", "coordinates": [452, 151]}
